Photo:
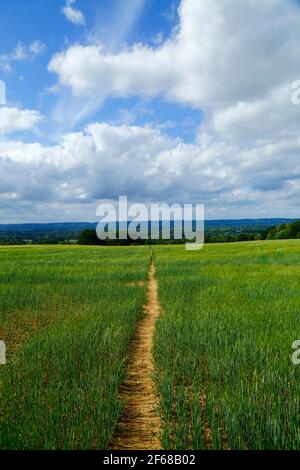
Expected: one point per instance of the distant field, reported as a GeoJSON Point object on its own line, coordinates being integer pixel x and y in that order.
{"type": "Point", "coordinates": [223, 344]}
{"type": "Point", "coordinates": [67, 315]}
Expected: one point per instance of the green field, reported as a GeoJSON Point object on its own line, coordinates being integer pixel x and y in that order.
{"type": "Point", "coordinates": [223, 344]}
{"type": "Point", "coordinates": [67, 315]}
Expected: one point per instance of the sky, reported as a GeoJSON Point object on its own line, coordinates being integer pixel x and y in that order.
{"type": "Point", "coordinates": [175, 101]}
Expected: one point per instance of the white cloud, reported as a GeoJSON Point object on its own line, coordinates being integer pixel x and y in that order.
{"type": "Point", "coordinates": [233, 59]}
{"type": "Point", "coordinates": [71, 109]}
{"type": "Point", "coordinates": [105, 161]}
{"type": "Point", "coordinates": [123, 17]}
{"type": "Point", "coordinates": [16, 120]}
{"type": "Point", "coordinates": [72, 14]}
{"type": "Point", "coordinates": [21, 53]}
{"type": "Point", "coordinates": [271, 117]}
{"type": "Point", "coordinates": [221, 52]}
{"type": "Point", "coordinates": [37, 48]}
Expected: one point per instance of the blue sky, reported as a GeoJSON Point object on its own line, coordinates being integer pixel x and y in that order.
{"type": "Point", "coordinates": [163, 101]}
{"type": "Point", "coordinates": [114, 23]}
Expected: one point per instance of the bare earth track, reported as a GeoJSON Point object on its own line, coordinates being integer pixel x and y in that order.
{"type": "Point", "coordinates": [139, 426]}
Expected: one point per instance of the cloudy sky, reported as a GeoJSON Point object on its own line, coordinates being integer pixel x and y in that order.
{"type": "Point", "coordinates": [163, 101]}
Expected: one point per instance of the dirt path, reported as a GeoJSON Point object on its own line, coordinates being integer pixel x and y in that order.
{"type": "Point", "coordinates": [139, 425]}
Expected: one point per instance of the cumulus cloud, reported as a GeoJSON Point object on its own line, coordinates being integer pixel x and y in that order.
{"type": "Point", "coordinates": [234, 60]}
{"type": "Point", "coordinates": [16, 120]}
{"type": "Point", "coordinates": [221, 52]}
{"type": "Point", "coordinates": [72, 14]}
{"type": "Point", "coordinates": [106, 161]}
{"type": "Point", "coordinates": [21, 53]}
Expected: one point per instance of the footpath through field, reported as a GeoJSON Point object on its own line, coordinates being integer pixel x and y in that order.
{"type": "Point", "coordinates": [139, 425]}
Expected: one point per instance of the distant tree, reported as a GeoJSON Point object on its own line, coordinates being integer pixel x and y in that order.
{"type": "Point", "coordinates": [88, 237]}
{"type": "Point", "coordinates": [242, 237]}
{"type": "Point", "coordinates": [295, 229]}
{"type": "Point", "coordinates": [259, 236]}
{"type": "Point", "coordinates": [285, 231]}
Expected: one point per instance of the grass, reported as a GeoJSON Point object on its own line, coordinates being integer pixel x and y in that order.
{"type": "Point", "coordinates": [224, 343]}
{"type": "Point", "coordinates": [67, 316]}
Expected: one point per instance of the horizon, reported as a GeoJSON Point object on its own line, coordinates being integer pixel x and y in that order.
{"type": "Point", "coordinates": [151, 221]}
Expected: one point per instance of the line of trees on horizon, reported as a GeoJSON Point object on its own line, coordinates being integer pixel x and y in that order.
{"type": "Point", "coordinates": [213, 235]}
{"type": "Point", "coordinates": [283, 231]}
